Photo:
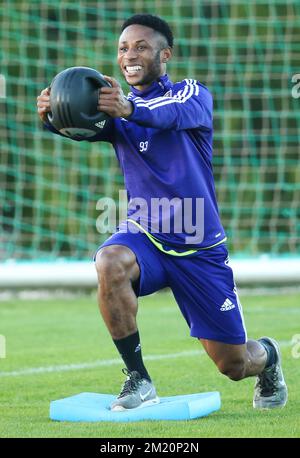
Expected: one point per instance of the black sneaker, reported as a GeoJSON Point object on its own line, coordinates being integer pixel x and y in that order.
{"type": "Point", "coordinates": [270, 389]}
{"type": "Point", "coordinates": [136, 392]}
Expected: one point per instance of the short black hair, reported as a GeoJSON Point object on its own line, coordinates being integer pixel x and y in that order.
{"type": "Point", "coordinates": [154, 22]}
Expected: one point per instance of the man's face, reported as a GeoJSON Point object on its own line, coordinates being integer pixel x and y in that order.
{"type": "Point", "coordinates": [141, 54]}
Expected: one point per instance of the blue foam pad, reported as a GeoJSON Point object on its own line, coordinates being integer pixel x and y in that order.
{"type": "Point", "coordinates": [95, 407]}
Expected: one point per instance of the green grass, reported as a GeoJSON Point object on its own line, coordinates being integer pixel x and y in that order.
{"type": "Point", "coordinates": [64, 331]}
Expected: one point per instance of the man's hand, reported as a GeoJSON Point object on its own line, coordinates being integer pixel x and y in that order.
{"type": "Point", "coordinates": [113, 101]}
{"type": "Point", "coordinates": [43, 104]}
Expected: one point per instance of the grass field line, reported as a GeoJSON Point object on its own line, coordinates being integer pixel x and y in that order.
{"type": "Point", "coordinates": [106, 363]}
{"type": "Point", "coordinates": [95, 364]}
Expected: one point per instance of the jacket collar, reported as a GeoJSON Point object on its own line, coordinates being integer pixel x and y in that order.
{"type": "Point", "coordinates": [156, 88]}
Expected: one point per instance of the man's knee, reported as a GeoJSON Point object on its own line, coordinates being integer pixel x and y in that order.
{"type": "Point", "coordinates": [115, 264]}
{"type": "Point", "coordinates": [233, 369]}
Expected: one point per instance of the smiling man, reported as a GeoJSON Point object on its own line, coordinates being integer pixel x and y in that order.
{"type": "Point", "coordinates": [152, 48]}
{"type": "Point", "coordinates": [162, 133]}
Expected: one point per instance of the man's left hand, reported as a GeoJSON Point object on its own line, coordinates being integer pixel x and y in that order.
{"type": "Point", "coordinates": [113, 101]}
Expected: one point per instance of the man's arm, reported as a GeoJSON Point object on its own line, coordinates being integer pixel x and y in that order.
{"type": "Point", "coordinates": [189, 108]}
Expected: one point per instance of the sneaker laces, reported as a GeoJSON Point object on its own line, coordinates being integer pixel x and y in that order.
{"type": "Point", "coordinates": [131, 384]}
{"type": "Point", "coordinates": [267, 381]}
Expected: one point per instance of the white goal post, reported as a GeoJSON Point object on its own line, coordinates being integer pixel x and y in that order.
{"type": "Point", "coordinates": [82, 274]}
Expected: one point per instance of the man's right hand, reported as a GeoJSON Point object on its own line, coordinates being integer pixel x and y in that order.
{"type": "Point", "coordinates": [43, 104]}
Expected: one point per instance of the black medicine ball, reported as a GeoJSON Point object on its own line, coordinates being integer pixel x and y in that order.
{"type": "Point", "coordinates": [74, 94]}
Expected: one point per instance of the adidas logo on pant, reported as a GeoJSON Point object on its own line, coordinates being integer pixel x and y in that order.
{"type": "Point", "coordinates": [228, 305]}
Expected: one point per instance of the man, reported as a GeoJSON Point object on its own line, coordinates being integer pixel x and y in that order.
{"type": "Point", "coordinates": [162, 135]}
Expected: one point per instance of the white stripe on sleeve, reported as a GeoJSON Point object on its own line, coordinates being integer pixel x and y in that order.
{"type": "Point", "coordinates": [191, 88]}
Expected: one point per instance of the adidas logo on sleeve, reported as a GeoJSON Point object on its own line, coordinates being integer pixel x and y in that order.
{"type": "Point", "coordinates": [228, 305]}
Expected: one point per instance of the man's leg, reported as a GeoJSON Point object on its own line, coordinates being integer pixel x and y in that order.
{"type": "Point", "coordinates": [117, 271]}
{"type": "Point", "coordinates": [237, 361]}
{"type": "Point", "coordinates": [204, 288]}
{"type": "Point", "coordinates": [261, 358]}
